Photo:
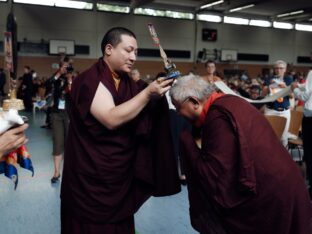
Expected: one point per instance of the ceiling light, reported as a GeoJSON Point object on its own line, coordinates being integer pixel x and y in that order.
{"type": "Point", "coordinates": [290, 13]}
{"type": "Point", "coordinates": [59, 3]}
{"type": "Point", "coordinates": [242, 8]}
{"type": "Point", "coordinates": [211, 4]}
{"type": "Point", "coordinates": [303, 27]}
{"type": "Point", "coordinates": [260, 23]}
{"type": "Point", "coordinates": [235, 20]}
{"type": "Point", "coordinates": [210, 18]}
{"type": "Point", "coordinates": [36, 2]}
{"type": "Point", "coordinates": [73, 4]}
{"type": "Point", "coordinates": [283, 25]}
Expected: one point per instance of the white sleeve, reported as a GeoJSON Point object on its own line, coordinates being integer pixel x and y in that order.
{"type": "Point", "coordinates": [302, 95]}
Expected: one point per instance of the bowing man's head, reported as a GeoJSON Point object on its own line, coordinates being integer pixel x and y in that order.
{"type": "Point", "coordinates": [119, 47]}
{"type": "Point", "coordinates": [189, 94]}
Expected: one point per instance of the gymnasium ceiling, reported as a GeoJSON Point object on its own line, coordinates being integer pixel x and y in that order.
{"type": "Point", "coordinates": [263, 9]}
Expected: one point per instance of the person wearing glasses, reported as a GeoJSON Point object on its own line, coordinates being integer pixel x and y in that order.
{"type": "Point", "coordinates": [280, 107]}
{"type": "Point", "coordinates": [241, 180]}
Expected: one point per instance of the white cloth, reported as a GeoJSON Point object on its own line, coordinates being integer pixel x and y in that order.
{"type": "Point", "coordinates": [8, 119]}
{"type": "Point", "coordinates": [304, 93]}
{"type": "Point", "coordinates": [171, 106]}
{"type": "Point", "coordinates": [225, 89]}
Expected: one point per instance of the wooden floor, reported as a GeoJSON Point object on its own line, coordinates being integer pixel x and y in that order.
{"type": "Point", "coordinates": [33, 208]}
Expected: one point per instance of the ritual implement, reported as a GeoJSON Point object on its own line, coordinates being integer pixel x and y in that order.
{"type": "Point", "coordinates": [170, 67]}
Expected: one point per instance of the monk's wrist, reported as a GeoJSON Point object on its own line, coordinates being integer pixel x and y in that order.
{"type": "Point", "coordinates": [148, 93]}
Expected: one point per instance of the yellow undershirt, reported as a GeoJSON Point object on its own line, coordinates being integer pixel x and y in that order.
{"type": "Point", "coordinates": [116, 78]}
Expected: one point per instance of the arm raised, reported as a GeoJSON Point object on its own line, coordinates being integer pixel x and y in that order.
{"type": "Point", "coordinates": [111, 116]}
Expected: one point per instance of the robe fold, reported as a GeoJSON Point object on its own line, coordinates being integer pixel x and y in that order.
{"type": "Point", "coordinates": [243, 180]}
{"type": "Point", "coordinates": [108, 174]}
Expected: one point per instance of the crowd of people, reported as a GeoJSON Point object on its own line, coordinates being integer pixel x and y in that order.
{"type": "Point", "coordinates": [122, 144]}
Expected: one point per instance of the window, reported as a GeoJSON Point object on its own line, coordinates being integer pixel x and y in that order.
{"type": "Point", "coordinates": [112, 8]}
{"type": "Point", "coordinates": [162, 13]}
{"type": "Point", "coordinates": [59, 3]}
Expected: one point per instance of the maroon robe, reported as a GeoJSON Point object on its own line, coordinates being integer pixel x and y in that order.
{"type": "Point", "coordinates": [243, 181]}
{"type": "Point", "coordinates": [108, 174]}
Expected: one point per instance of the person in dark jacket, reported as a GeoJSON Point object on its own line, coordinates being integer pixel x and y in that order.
{"type": "Point", "coordinates": [60, 88]}
{"type": "Point", "coordinates": [26, 89]}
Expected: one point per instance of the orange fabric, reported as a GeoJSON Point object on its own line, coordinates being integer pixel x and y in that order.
{"type": "Point", "coordinates": [9, 163]}
{"type": "Point", "coordinates": [207, 105]}
{"type": "Point", "coordinates": [116, 78]}
{"type": "Point", "coordinates": [279, 99]}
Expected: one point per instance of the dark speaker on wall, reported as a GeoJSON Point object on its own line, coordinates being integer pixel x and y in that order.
{"type": "Point", "coordinates": [82, 49]}
{"type": "Point", "coordinates": [304, 59]}
{"type": "Point", "coordinates": [209, 34]}
{"type": "Point", "coordinates": [171, 53]}
{"type": "Point", "coordinates": [253, 57]}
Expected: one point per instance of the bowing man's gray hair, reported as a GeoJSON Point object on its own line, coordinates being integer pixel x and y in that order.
{"type": "Point", "coordinates": [191, 86]}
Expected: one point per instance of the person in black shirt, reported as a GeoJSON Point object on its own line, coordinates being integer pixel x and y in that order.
{"type": "Point", "coordinates": [27, 89]}
{"type": "Point", "coordinates": [60, 83]}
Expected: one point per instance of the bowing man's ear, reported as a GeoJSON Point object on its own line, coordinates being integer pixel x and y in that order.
{"type": "Point", "coordinates": [194, 101]}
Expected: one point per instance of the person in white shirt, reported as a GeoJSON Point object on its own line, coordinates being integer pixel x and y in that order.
{"type": "Point", "coordinates": [281, 106]}
{"type": "Point", "coordinates": [304, 92]}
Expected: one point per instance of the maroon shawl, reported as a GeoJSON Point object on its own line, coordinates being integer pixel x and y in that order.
{"type": "Point", "coordinates": [243, 180]}
{"type": "Point", "coordinates": [108, 174]}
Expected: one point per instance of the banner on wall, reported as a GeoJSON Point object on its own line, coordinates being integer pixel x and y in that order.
{"type": "Point", "coordinates": [8, 52]}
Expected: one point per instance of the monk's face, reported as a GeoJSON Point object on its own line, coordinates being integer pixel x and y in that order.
{"type": "Point", "coordinates": [123, 55]}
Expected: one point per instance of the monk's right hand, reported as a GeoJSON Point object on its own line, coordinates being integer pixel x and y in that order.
{"type": "Point", "coordinates": [159, 87]}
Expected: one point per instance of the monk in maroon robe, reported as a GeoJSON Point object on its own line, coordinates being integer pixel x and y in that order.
{"type": "Point", "coordinates": [119, 149]}
{"type": "Point", "coordinates": [242, 180]}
